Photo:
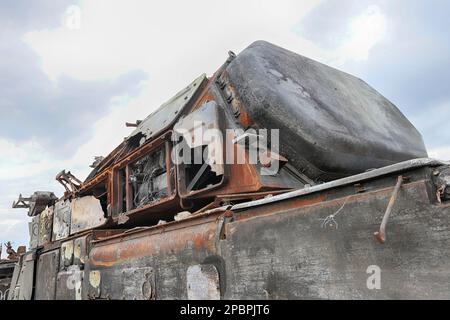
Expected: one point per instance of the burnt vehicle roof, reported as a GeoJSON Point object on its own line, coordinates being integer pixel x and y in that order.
{"type": "Point", "coordinates": [154, 124]}
{"type": "Point", "coordinates": [331, 123]}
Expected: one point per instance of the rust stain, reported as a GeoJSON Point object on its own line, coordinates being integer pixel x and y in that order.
{"type": "Point", "coordinates": [199, 241]}
{"type": "Point", "coordinates": [311, 204]}
{"type": "Point", "coordinates": [132, 247]}
{"type": "Point", "coordinates": [206, 96]}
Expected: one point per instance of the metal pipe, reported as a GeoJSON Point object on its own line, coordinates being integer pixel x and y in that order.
{"type": "Point", "coordinates": [381, 234]}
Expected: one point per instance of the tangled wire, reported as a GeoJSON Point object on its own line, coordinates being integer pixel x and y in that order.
{"type": "Point", "coordinates": [329, 221]}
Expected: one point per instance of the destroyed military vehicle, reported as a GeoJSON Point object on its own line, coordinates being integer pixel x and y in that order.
{"type": "Point", "coordinates": [306, 183]}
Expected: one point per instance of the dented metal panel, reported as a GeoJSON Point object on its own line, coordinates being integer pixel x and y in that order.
{"type": "Point", "coordinates": [61, 220]}
{"type": "Point", "coordinates": [47, 269]}
{"type": "Point", "coordinates": [45, 226]}
{"type": "Point", "coordinates": [162, 118]}
{"type": "Point", "coordinates": [86, 213]}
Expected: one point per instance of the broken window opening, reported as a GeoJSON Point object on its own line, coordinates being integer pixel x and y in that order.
{"type": "Point", "coordinates": [148, 178]}
{"type": "Point", "coordinates": [200, 175]}
{"type": "Point", "coordinates": [200, 150]}
{"type": "Point", "coordinates": [145, 181]}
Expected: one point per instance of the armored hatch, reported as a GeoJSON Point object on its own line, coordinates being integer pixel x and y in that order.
{"type": "Point", "coordinates": [331, 124]}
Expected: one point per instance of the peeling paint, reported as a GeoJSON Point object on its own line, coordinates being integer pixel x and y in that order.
{"type": "Point", "coordinates": [94, 278]}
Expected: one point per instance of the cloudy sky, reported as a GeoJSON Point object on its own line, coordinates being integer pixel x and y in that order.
{"type": "Point", "coordinates": [73, 72]}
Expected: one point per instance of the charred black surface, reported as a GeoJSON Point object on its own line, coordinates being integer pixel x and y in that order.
{"type": "Point", "coordinates": [291, 254]}
{"type": "Point", "coordinates": [146, 226]}
{"type": "Point", "coordinates": [285, 251]}
{"type": "Point", "coordinates": [331, 124]}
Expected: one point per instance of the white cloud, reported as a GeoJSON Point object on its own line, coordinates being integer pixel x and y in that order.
{"type": "Point", "coordinates": [14, 229]}
{"type": "Point", "coordinates": [29, 160]}
{"type": "Point", "coordinates": [18, 161]}
{"type": "Point", "coordinates": [165, 39]}
{"type": "Point", "coordinates": [442, 153]}
{"type": "Point", "coordinates": [7, 225]}
{"type": "Point", "coordinates": [24, 168]}
{"type": "Point", "coordinates": [365, 31]}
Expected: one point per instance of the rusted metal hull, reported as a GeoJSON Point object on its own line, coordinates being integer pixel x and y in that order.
{"type": "Point", "coordinates": [289, 218]}
{"type": "Point", "coordinates": [283, 251]}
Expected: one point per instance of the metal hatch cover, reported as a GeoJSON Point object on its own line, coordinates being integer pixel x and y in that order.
{"type": "Point", "coordinates": [165, 115]}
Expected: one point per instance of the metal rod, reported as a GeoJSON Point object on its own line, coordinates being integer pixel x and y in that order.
{"type": "Point", "coordinates": [168, 168]}
{"type": "Point", "coordinates": [381, 234]}
{"type": "Point", "coordinates": [129, 196]}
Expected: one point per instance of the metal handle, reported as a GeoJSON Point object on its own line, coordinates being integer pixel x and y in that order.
{"type": "Point", "coordinates": [381, 234]}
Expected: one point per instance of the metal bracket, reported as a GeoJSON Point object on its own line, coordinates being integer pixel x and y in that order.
{"type": "Point", "coordinates": [68, 181]}
{"type": "Point", "coordinates": [21, 203]}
